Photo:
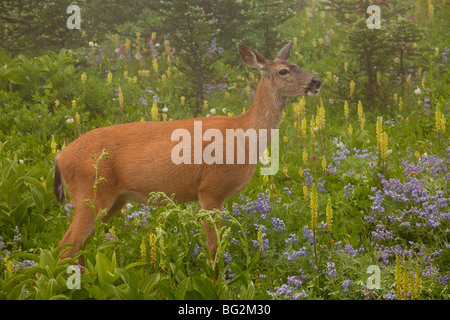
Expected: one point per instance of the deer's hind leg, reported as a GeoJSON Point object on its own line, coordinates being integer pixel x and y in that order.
{"type": "Point", "coordinates": [82, 226]}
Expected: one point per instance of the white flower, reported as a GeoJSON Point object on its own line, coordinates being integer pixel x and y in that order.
{"type": "Point", "coordinates": [91, 44]}
{"type": "Point", "coordinates": [21, 161]}
{"type": "Point", "coordinates": [224, 110]}
{"type": "Point", "coordinates": [417, 91]}
{"type": "Point", "coordinates": [70, 120]}
{"type": "Point", "coordinates": [213, 111]}
{"type": "Point", "coordinates": [165, 110]}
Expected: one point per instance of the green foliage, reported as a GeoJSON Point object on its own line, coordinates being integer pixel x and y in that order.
{"type": "Point", "coordinates": [32, 75]}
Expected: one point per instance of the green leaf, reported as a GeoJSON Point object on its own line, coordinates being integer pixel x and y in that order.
{"type": "Point", "coordinates": [205, 287]}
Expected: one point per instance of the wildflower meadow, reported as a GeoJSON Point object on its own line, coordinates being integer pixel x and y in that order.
{"type": "Point", "coordinates": [358, 209]}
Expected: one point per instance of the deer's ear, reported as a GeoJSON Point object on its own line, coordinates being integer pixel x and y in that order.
{"type": "Point", "coordinates": [285, 52]}
{"type": "Point", "coordinates": [251, 58]}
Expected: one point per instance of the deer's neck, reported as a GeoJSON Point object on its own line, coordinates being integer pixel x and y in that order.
{"type": "Point", "coordinates": [266, 109]}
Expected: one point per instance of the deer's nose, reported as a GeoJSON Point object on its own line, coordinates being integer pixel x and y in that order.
{"type": "Point", "coordinates": [315, 82]}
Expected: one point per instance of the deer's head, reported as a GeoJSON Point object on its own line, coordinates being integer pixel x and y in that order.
{"type": "Point", "coordinates": [286, 79]}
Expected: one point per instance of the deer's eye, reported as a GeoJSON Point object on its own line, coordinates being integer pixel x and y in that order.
{"type": "Point", "coordinates": [283, 72]}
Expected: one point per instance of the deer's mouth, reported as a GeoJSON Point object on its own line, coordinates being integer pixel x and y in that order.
{"type": "Point", "coordinates": [312, 91]}
{"type": "Point", "coordinates": [314, 86]}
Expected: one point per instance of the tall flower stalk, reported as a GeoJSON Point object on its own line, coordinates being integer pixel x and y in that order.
{"type": "Point", "coordinates": [314, 199]}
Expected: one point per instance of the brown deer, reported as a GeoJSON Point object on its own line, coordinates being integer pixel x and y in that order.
{"type": "Point", "coordinates": [140, 155]}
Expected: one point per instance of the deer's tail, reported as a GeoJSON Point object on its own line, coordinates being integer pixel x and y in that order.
{"type": "Point", "coordinates": [58, 185]}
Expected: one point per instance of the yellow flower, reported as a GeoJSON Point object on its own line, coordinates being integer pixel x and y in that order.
{"type": "Point", "coordinates": [408, 285]}
{"type": "Point", "coordinates": [167, 49]}
{"type": "Point", "coordinates": [247, 91]}
{"type": "Point", "coordinates": [379, 78]}
{"type": "Point", "coordinates": [74, 104]}
{"type": "Point", "coordinates": [430, 12]}
{"type": "Point", "coordinates": [329, 214]}
{"type": "Point", "coordinates": [383, 146]}
{"type": "Point", "coordinates": [57, 103]}
{"type": "Point", "coordinates": [266, 158]}
{"type": "Point", "coordinates": [305, 158]}
{"type": "Point", "coordinates": [182, 99]}
{"type": "Point", "coordinates": [440, 120]}
{"type": "Point", "coordinates": [305, 191]}
{"type": "Point", "coordinates": [260, 239]}
{"type": "Point", "coordinates": [360, 109]}
{"type": "Point", "coordinates": [83, 78]}
{"type": "Point", "coordinates": [127, 46]}
{"type": "Point", "coordinates": [303, 127]}
{"type": "Point", "coordinates": [352, 87]}
{"type": "Point", "coordinates": [153, 36]}
{"type": "Point", "coordinates": [144, 73]}
{"type": "Point", "coordinates": [154, 111]}
{"type": "Point", "coordinates": [9, 264]}
{"type": "Point", "coordinates": [143, 250]}
{"type": "Point", "coordinates": [346, 66]}
{"type": "Point", "coordinates": [350, 129]}
{"type": "Point", "coordinates": [152, 240]}
{"type": "Point", "coordinates": [285, 170]}
{"type": "Point", "coordinates": [361, 116]}
{"type": "Point", "coordinates": [324, 164]}
{"type": "Point", "coordinates": [120, 100]}
{"type": "Point", "coordinates": [109, 78]}
{"type": "Point", "coordinates": [379, 129]}
{"type": "Point", "coordinates": [155, 65]}
{"type": "Point", "coordinates": [78, 119]}
{"type": "Point", "coordinates": [346, 109]}
{"type": "Point", "coordinates": [320, 119]}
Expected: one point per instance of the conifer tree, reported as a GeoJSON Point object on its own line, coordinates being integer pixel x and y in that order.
{"type": "Point", "coordinates": [193, 34]}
